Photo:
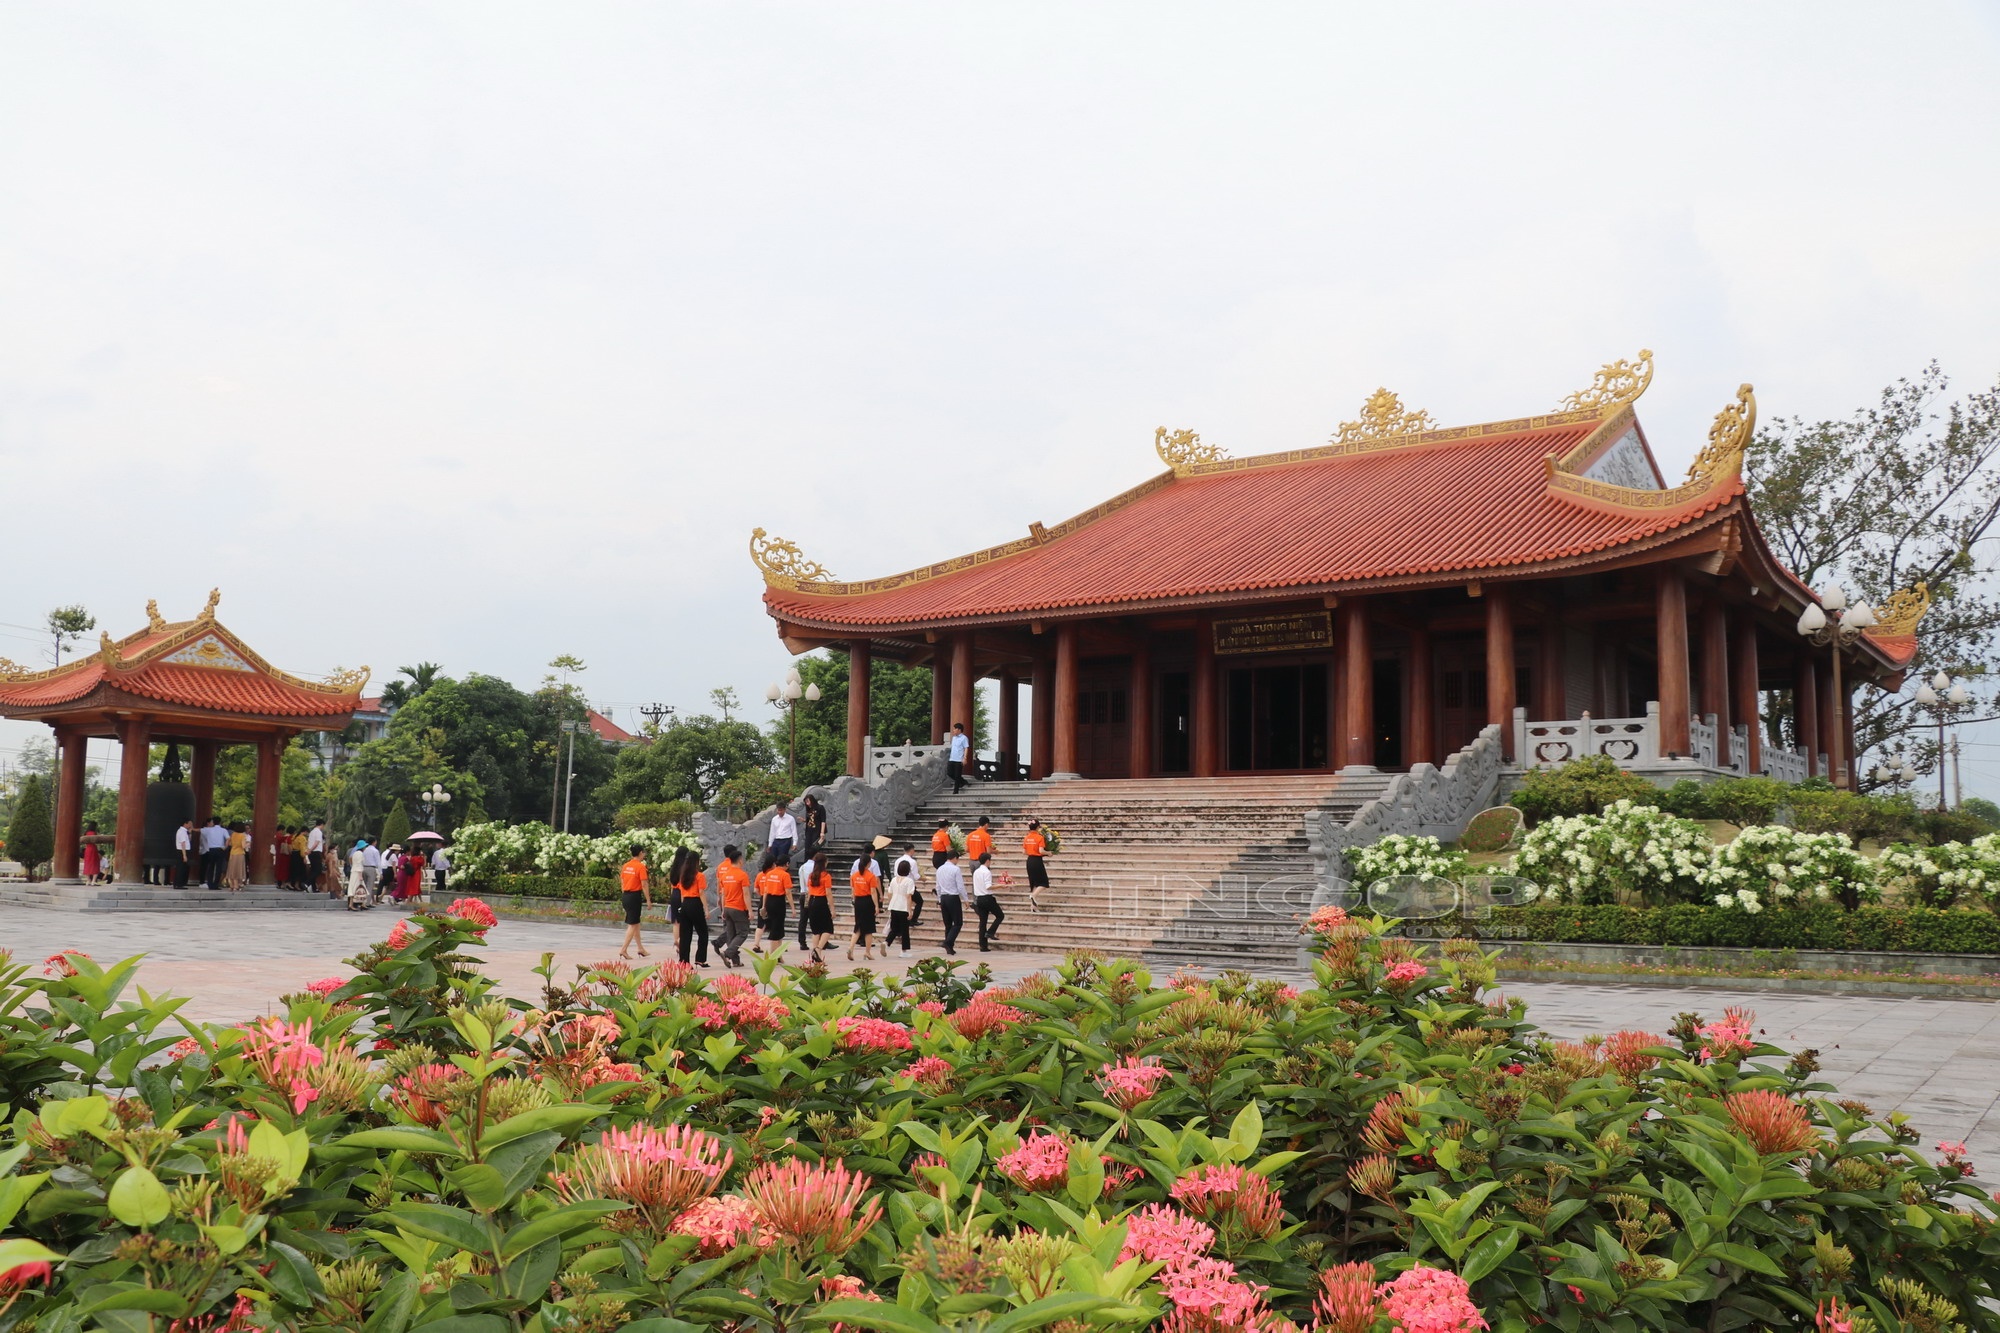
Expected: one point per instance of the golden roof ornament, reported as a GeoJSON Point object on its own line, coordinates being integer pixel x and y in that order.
{"type": "Point", "coordinates": [1183, 451]}
{"type": "Point", "coordinates": [1900, 614]}
{"type": "Point", "coordinates": [1616, 384]}
{"type": "Point", "coordinates": [214, 600]}
{"type": "Point", "coordinates": [1722, 456]}
{"type": "Point", "coordinates": [351, 679]}
{"type": "Point", "coordinates": [10, 669]}
{"type": "Point", "coordinates": [783, 564]}
{"type": "Point", "coordinates": [155, 622]}
{"type": "Point", "coordinates": [1383, 417]}
{"type": "Point", "coordinates": [107, 651]}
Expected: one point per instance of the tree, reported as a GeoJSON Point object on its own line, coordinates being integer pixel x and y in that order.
{"type": "Point", "coordinates": [67, 624]}
{"type": "Point", "coordinates": [31, 836]}
{"type": "Point", "coordinates": [301, 784]}
{"type": "Point", "coordinates": [899, 710]}
{"type": "Point", "coordinates": [690, 761]}
{"type": "Point", "coordinates": [396, 828]}
{"type": "Point", "coordinates": [417, 679]}
{"type": "Point", "coordinates": [1901, 493]}
{"type": "Point", "coordinates": [726, 701]}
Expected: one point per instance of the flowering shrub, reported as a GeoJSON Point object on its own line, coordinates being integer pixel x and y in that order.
{"type": "Point", "coordinates": [1769, 865]}
{"type": "Point", "coordinates": [1086, 1151]}
{"type": "Point", "coordinates": [1404, 854]}
{"type": "Point", "coordinates": [1631, 853]}
{"type": "Point", "coordinates": [1944, 875]}
{"type": "Point", "coordinates": [484, 852]}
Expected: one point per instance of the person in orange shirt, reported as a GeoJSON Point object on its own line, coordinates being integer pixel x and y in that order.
{"type": "Point", "coordinates": [979, 842]}
{"type": "Point", "coordinates": [866, 881]}
{"type": "Point", "coordinates": [1035, 846]}
{"type": "Point", "coordinates": [774, 886]}
{"type": "Point", "coordinates": [733, 882]}
{"type": "Point", "coordinates": [691, 891]}
{"type": "Point", "coordinates": [940, 843]}
{"type": "Point", "coordinates": [636, 894]}
{"type": "Point", "coordinates": [819, 906]}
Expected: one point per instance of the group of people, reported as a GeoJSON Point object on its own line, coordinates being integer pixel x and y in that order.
{"type": "Point", "coordinates": [394, 874]}
{"type": "Point", "coordinates": [879, 883]}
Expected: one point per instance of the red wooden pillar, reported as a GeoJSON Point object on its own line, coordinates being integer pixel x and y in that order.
{"type": "Point", "coordinates": [1422, 729]}
{"type": "Point", "coordinates": [69, 805]}
{"type": "Point", "coordinates": [1849, 759]}
{"type": "Point", "coordinates": [1064, 760]}
{"type": "Point", "coordinates": [1008, 724]}
{"type": "Point", "coordinates": [1206, 706]}
{"type": "Point", "coordinates": [264, 808]}
{"type": "Point", "coordinates": [1358, 680]}
{"type": "Point", "coordinates": [201, 779]}
{"type": "Point", "coordinates": [1670, 632]}
{"type": "Point", "coordinates": [1743, 661]}
{"type": "Point", "coordinates": [859, 661]}
{"type": "Point", "coordinates": [1500, 664]}
{"type": "Point", "coordinates": [940, 692]}
{"type": "Point", "coordinates": [964, 679]}
{"type": "Point", "coordinates": [1551, 698]}
{"type": "Point", "coordinates": [135, 737]}
{"type": "Point", "coordinates": [1715, 674]}
{"type": "Point", "coordinates": [1805, 709]}
{"type": "Point", "coordinates": [1829, 723]}
{"type": "Point", "coordinates": [1139, 716]}
{"type": "Point", "coordinates": [1042, 736]}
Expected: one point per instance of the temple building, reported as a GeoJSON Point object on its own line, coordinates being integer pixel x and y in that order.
{"type": "Point", "coordinates": [189, 682]}
{"type": "Point", "coordinates": [1375, 602]}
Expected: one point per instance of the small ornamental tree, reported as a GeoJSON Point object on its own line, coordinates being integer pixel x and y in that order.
{"type": "Point", "coordinates": [31, 838]}
{"type": "Point", "coordinates": [396, 828]}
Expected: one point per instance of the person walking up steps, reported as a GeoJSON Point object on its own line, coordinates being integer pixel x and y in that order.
{"type": "Point", "coordinates": [1036, 847]}
{"type": "Point", "coordinates": [940, 843]}
{"type": "Point", "coordinates": [917, 879]}
{"type": "Point", "coordinates": [807, 869]}
{"type": "Point", "coordinates": [732, 881]}
{"type": "Point", "coordinates": [691, 888]}
{"type": "Point", "coordinates": [979, 842]}
{"type": "Point", "coordinates": [635, 892]}
{"type": "Point", "coordinates": [961, 746]}
{"type": "Point", "coordinates": [864, 879]}
{"type": "Point", "coordinates": [986, 903]}
{"type": "Point", "coordinates": [902, 897]}
{"type": "Point", "coordinates": [774, 886]}
{"type": "Point", "coordinates": [819, 908]}
{"type": "Point", "coordinates": [951, 900]}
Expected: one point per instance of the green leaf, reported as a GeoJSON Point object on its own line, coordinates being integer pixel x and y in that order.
{"type": "Point", "coordinates": [483, 1187]}
{"type": "Point", "coordinates": [563, 1119]}
{"type": "Point", "coordinates": [1786, 1186]}
{"type": "Point", "coordinates": [527, 1278]}
{"type": "Point", "coordinates": [558, 1222]}
{"type": "Point", "coordinates": [1246, 1132]}
{"type": "Point", "coordinates": [1489, 1254]}
{"type": "Point", "coordinates": [14, 1253]}
{"type": "Point", "coordinates": [468, 1323]}
{"type": "Point", "coordinates": [135, 1297]}
{"type": "Point", "coordinates": [1036, 1314]}
{"type": "Point", "coordinates": [1745, 1257]}
{"type": "Point", "coordinates": [402, 1138]}
{"type": "Point", "coordinates": [138, 1199]}
{"type": "Point", "coordinates": [14, 1190]}
{"type": "Point", "coordinates": [662, 1324]}
{"type": "Point", "coordinates": [449, 1226]}
{"type": "Point", "coordinates": [924, 1136]}
{"type": "Point", "coordinates": [876, 1315]}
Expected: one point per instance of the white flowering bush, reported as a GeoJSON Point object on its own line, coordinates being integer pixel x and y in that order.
{"type": "Point", "coordinates": [1633, 854]}
{"type": "Point", "coordinates": [482, 852]}
{"type": "Point", "coordinates": [1942, 876]}
{"type": "Point", "coordinates": [657, 845]}
{"type": "Point", "coordinates": [1404, 854]}
{"type": "Point", "coordinates": [1769, 865]}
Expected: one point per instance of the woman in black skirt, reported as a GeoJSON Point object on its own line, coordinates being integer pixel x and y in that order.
{"type": "Point", "coordinates": [819, 907]}
{"type": "Point", "coordinates": [1034, 846]}
{"type": "Point", "coordinates": [774, 887]}
{"type": "Point", "coordinates": [691, 894]}
{"type": "Point", "coordinates": [866, 881]}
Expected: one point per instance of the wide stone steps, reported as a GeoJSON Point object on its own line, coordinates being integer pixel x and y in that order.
{"type": "Point", "coordinates": [155, 898]}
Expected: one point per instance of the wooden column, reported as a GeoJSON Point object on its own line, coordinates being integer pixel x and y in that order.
{"type": "Point", "coordinates": [1422, 729]}
{"type": "Point", "coordinates": [264, 808]}
{"type": "Point", "coordinates": [963, 680]}
{"type": "Point", "coordinates": [940, 692]}
{"type": "Point", "coordinates": [135, 736]}
{"type": "Point", "coordinates": [1829, 721]}
{"type": "Point", "coordinates": [1805, 708]}
{"type": "Point", "coordinates": [1551, 698]}
{"type": "Point", "coordinates": [1205, 708]}
{"type": "Point", "coordinates": [69, 806]}
{"type": "Point", "coordinates": [1139, 713]}
{"type": "Point", "coordinates": [1743, 663]}
{"type": "Point", "coordinates": [1670, 633]}
{"type": "Point", "coordinates": [1715, 674]}
{"type": "Point", "coordinates": [860, 661]}
{"type": "Point", "coordinates": [1500, 663]}
{"type": "Point", "coordinates": [1357, 709]}
{"type": "Point", "coordinates": [1042, 724]}
{"type": "Point", "coordinates": [1847, 754]}
{"type": "Point", "coordinates": [1008, 725]}
{"type": "Point", "coordinates": [1064, 759]}
{"type": "Point", "coordinates": [201, 779]}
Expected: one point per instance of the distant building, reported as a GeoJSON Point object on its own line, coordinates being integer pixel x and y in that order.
{"type": "Point", "coordinates": [607, 731]}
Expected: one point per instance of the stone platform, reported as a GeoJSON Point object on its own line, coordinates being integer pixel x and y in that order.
{"type": "Point", "coordinates": [74, 896]}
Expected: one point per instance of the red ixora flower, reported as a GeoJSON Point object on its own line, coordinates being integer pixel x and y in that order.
{"type": "Point", "coordinates": [1626, 1052]}
{"type": "Point", "coordinates": [399, 935]}
{"type": "Point", "coordinates": [808, 1204]}
{"type": "Point", "coordinates": [933, 1074]}
{"type": "Point", "coordinates": [325, 986]}
{"type": "Point", "coordinates": [1040, 1164]}
{"type": "Point", "coordinates": [983, 1014]}
{"type": "Point", "coordinates": [59, 965]}
{"type": "Point", "coordinates": [1771, 1121]}
{"type": "Point", "coordinates": [1346, 1302]}
{"type": "Point", "coordinates": [663, 1172]}
{"type": "Point", "coordinates": [18, 1277]}
{"type": "Point", "coordinates": [475, 911]}
{"type": "Point", "coordinates": [1430, 1300]}
{"type": "Point", "coordinates": [1232, 1197]}
{"type": "Point", "coordinates": [872, 1034]}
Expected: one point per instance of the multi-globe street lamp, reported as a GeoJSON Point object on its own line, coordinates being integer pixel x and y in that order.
{"type": "Point", "coordinates": [1945, 698]}
{"type": "Point", "coordinates": [430, 801]}
{"type": "Point", "coordinates": [786, 695]}
{"type": "Point", "coordinates": [1832, 621]}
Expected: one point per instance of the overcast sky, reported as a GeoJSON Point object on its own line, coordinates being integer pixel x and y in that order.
{"type": "Point", "coordinates": [483, 333]}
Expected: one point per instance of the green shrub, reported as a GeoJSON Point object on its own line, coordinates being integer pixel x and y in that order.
{"type": "Point", "coordinates": [31, 837]}
{"type": "Point", "coordinates": [1818, 926]}
{"type": "Point", "coordinates": [396, 827]}
{"type": "Point", "coordinates": [580, 888]}
{"type": "Point", "coordinates": [1746, 801]}
{"type": "Point", "coordinates": [750, 794]}
{"type": "Point", "coordinates": [1580, 787]}
{"type": "Point", "coordinates": [1939, 827]}
{"type": "Point", "coordinates": [1687, 799]}
{"type": "Point", "coordinates": [1494, 830]}
{"type": "Point", "coordinates": [653, 814]}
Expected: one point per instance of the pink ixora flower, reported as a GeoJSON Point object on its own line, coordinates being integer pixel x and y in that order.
{"type": "Point", "coordinates": [325, 986]}
{"type": "Point", "coordinates": [872, 1034]}
{"type": "Point", "coordinates": [183, 1048]}
{"type": "Point", "coordinates": [1407, 972]}
{"type": "Point", "coordinates": [983, 1014]}
{"type": "Point", "coordinates": [666, 979]}
{"type": "Point", "coordinates": [1233, 1198]}
{"type": "Point", "coordinates": [1040, 1164]}
{"type": "Point", "coordinates": [1729, 1037]}
{"type": "Point", "coordinates": [399, 934]}
{"type": "Point", "coordinates": [475, 911]}
{"type": "Point", "coordinates": [1955, 1159]}
{"type": "Point", "coordinates": [933, 1074]}
{"type": "Point", "coordinates": [812, 1204]}
{"type": "Point", "coordinates": [1346, 1302]}
{"type": "Point", "coordinates": [1210, 1287]}
{"type": "Point", "coordinates": [1833, 1317]}
{"type": "Point", "coordinates": [1160, 1234]}
{"type": "Point", "coordinates": [1430, 1300]}
{"type": "Point", "coordinates": [1130, 1081]}
{"type": "Point", "coordinates": [663, 1172]}
{"type": "Point", "coordinates": [721, 1222]}
{"type": "Point", "coordinates": [59, 965]}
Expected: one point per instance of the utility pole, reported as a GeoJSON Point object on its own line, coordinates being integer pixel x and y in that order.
{"type": "Point", "coordinates": [654, 712]}
{"type": "Point", "coordinates": [569, 770]}
{"type": "Point", "coordinates": [1957, 778]}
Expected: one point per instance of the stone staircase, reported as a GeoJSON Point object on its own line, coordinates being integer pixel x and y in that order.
{"type": "Point", "coordinates": [154, 898]}
{"type": "Point", "coordinates": [1175, 870]}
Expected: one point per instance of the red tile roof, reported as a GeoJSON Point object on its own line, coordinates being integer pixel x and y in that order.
{"type": "Point", "coordinates": [1436, 508]}
{"type": "Point", "coordinates": [607, 730]}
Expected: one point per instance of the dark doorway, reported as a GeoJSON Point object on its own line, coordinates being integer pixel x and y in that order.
{"type": "Point", "coordinates": [1276, 717]}
{"type": "Point", "coordinates": [1171, 748]}
{"type": "Point", "coordinates": [1103, 730]}
{"type": "Point", "coordinates": [1388, 713]}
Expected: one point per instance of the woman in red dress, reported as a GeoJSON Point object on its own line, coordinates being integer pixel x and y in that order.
{"type": "Point", "coordinates": [93, 860]}
{"type": "Point", "coordinates": [410, 877]}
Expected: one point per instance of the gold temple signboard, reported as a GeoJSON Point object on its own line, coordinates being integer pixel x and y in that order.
{"type": "Point", "coordinates": [1303, 630]}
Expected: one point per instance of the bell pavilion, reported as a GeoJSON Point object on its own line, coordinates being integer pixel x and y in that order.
{"type": "Point", "coordinates": [189, 682]}
{"type": "Point", "coordinates": [1374, 602]}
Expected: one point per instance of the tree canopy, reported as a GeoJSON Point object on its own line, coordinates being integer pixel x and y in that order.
{"type": "Point", "coordinates": [690, 760]}
{"type": "Point", "coordinates": [899, 710]}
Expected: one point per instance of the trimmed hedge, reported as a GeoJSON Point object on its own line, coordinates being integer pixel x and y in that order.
{"type": "Point", "coordinates": [581, 888]}
{"type": "Point", "coordinates": [1820, 926]}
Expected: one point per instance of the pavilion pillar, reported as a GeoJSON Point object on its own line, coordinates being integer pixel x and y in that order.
{"type": "Point", "coordinates": [859, 662]}
{"type": "Point", "coordinates": [1743, 662]}
{"type": "Point", "coordinates": [1421, 731]}
{"type": "Point", "coordinates": [1042, 732]}
{"type": "Point", "coordinates": [135, 738]}
{"type": "Point", "coordinates": [963, 679]}
{"type": "Point", "coordinates": [1805, 709]}
{"type": "Point", "coordinates": [1715, 674]}
{"type": "Point", "coordinates": [1670, 632]}
{"type": "Point", "coordinates": [264, 808]}
{"type": "Point", "coordinates": [1850, 760]}
{"type": "Point", "coordinates": [69, 805]}
{"type": "Point", "coordinates": [1829, 725]}
{"type": "Point", "coordinates": [1551, 698]}
{"type": "Point", "coordinates": [1063, 762]}
{"type": "Point", "coordinates": [1500, 664]}
{"type": "Point", "coordinates": [1139, 714]}
{"type": "Point", "coordinates": [1008, 724]}
{"type": "Point", "coordinates": [1206, 705]}
{"type": "Point", "coordinates": [201, 779]}
{"type": "Point", "coordinates": [940, 692]}
{"type": "Point", "coordinates": [1358, 678]}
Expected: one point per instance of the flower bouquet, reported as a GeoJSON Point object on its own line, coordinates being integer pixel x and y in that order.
{"type": "Point", "coordinates": [1051, 841]}
{"type": "Point", "coordinates": [957, 836]}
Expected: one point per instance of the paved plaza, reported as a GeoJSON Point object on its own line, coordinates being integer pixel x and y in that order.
{"type": "Point", "coordinates": [1936, 1060]}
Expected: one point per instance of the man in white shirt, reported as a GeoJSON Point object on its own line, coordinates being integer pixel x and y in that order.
{"type": "Point", "coordinates": [214, 852]}
{"type": "Point", "coordinates": [984, 903]}
{"type": "Point", "coordinates": [951, 900]}
{"type": "Point", "coordinates": [916, 874]}
{"type": "Point", "coordinates": [316, 850]}
{"type": "Point", "coordinates": [371, 872]}
{"type": "Point", "coordinates": [183, 853]}
{"type": "Point", "coordinates": [440, 870]}
{"type": "Point", "coordinates": [961, 745]}
{"type": "Point", "coordinates": [784, 832]}
{"type": "Point", "coordinates": [807, 868]}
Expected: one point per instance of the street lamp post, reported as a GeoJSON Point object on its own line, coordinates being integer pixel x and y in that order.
{"type": "Point", "coordinates": [569, 770]}
{"type": "Point", "coordinates": [1944, 697]}
{"type": "Point", "coordinates": [1831, 621]}
{"type": "Point", "coordinates": [431, 800]}
{"type": "Point", "coordinates": [1897, 768]}
{"type": "Point", "coordinates": [786, 695]}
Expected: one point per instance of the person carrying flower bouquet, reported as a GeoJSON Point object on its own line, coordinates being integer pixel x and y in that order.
{"type": "Point", "coordinates": [1036, 847]}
